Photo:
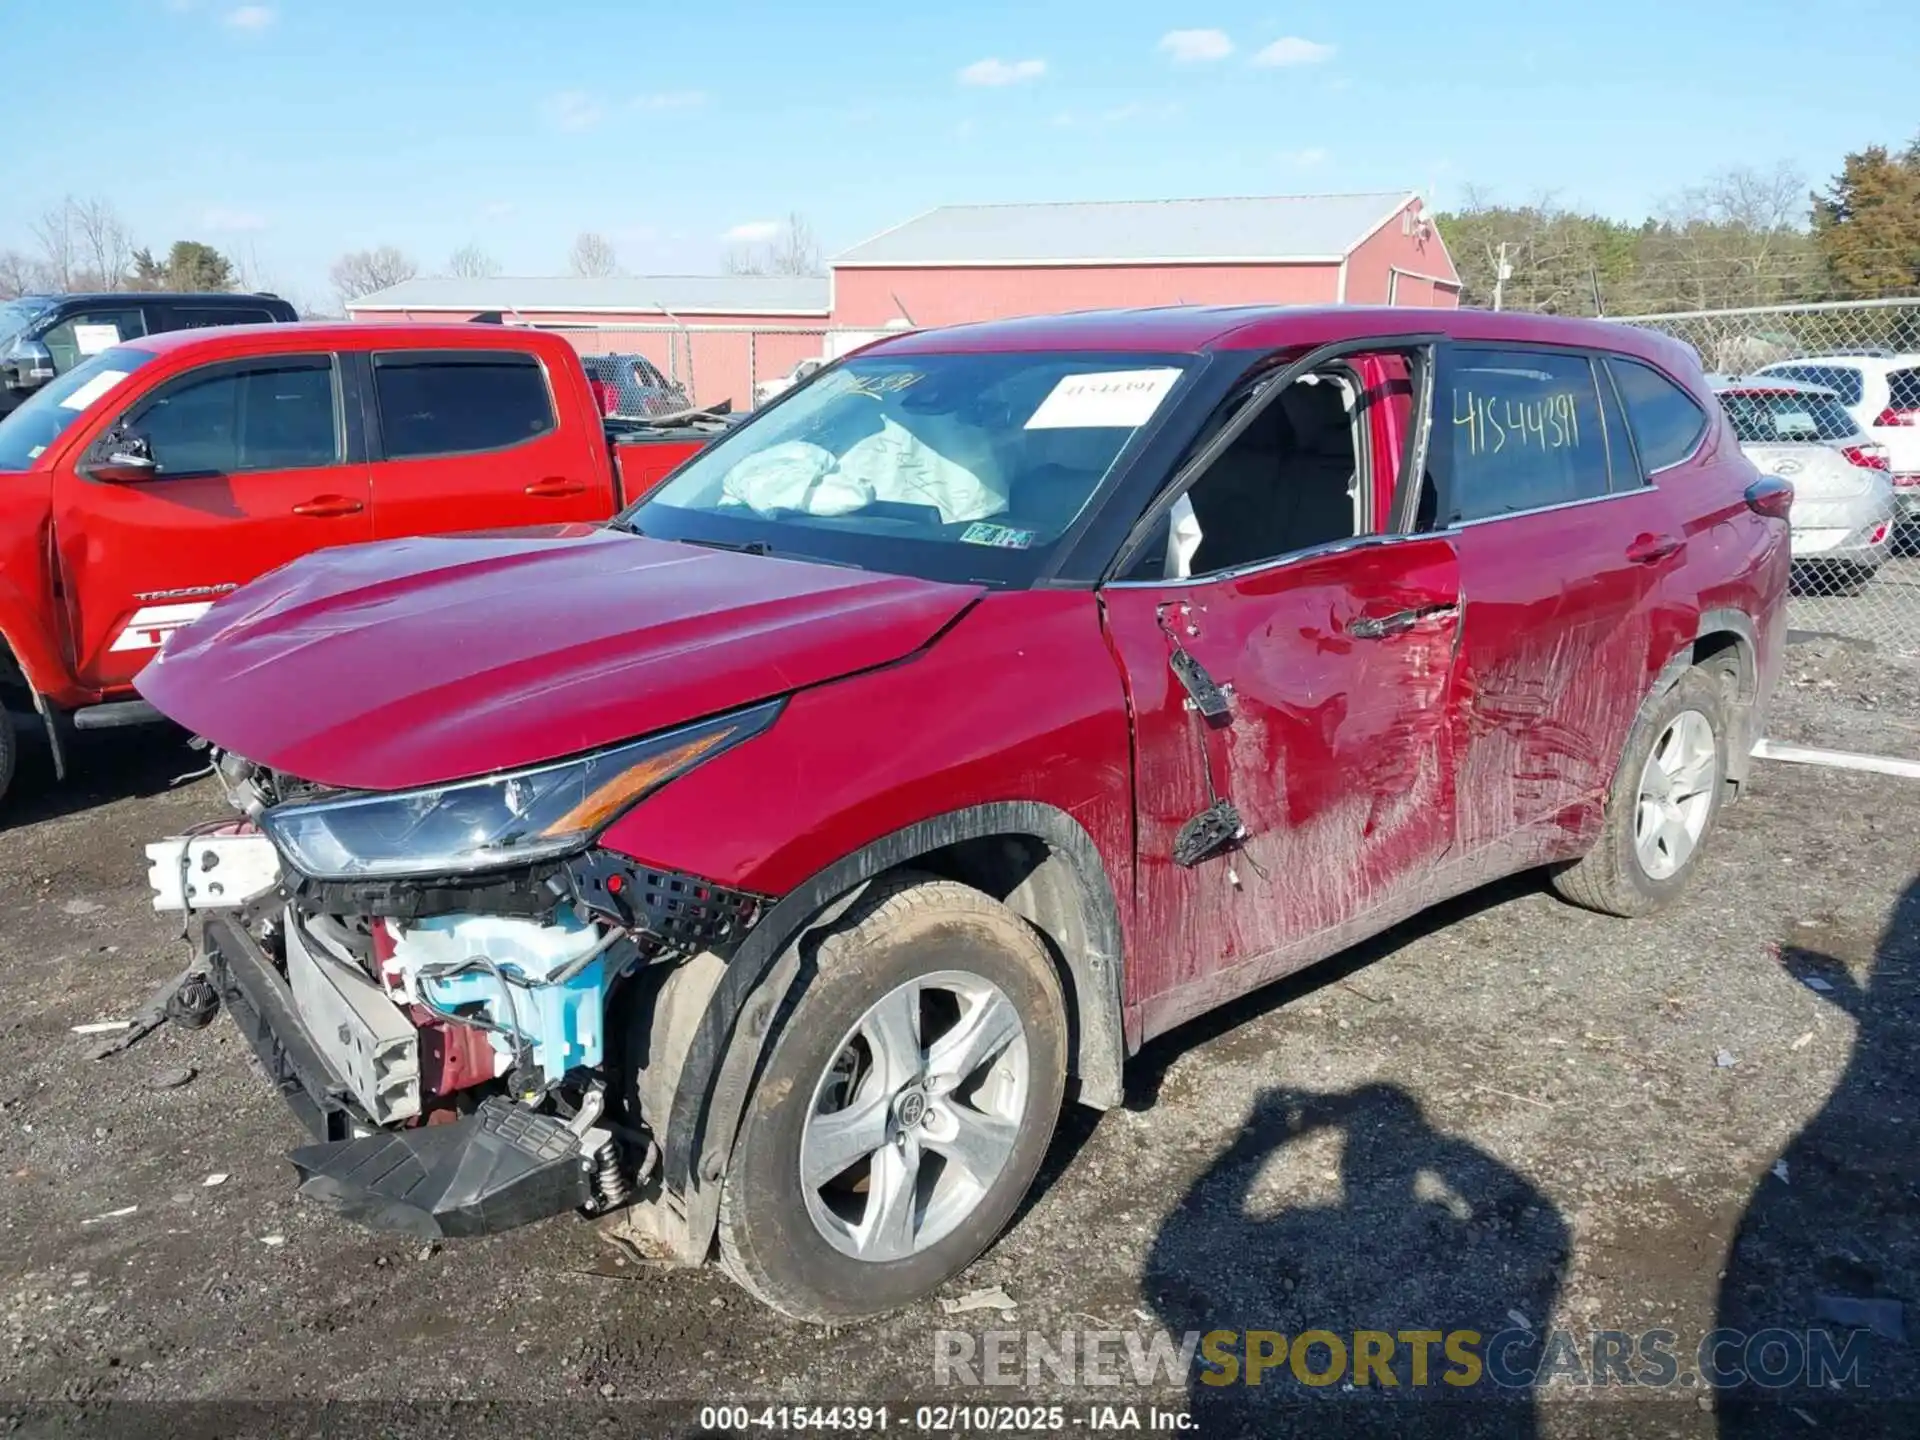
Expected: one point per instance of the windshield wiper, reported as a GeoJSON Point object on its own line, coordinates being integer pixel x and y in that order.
{"type": "Point", "coordinates": [744, 547]}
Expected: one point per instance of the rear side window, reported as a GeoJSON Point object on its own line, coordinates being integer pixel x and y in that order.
{"type": "Point", "coordinates": [439, 404]}
{"type": "Point", "coordinates": [1526, 432]}
{"type": "Point", "coordinates": [186, 317]}
{"type": "Point", "coordinates": [1666, 421]}
{"type": "Point", "coordinates": [229, 420]}
{"type": "Point", "coordinates": [1845, 381]}
{"type": "Point", "coordinates": [1785, 417]}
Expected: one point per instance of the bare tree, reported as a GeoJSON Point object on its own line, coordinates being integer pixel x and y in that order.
{"type": "Point", "coordinates": [20, 275]}
{"type": "Point", "coordinates": [593, 255]}
{"type": "Point", "coordinates": [361, 272]}
{"type": "Point", "coordinates": [1738, 238]}
{"type": "Point", "coordinates": [470, 262]}
{"type": "Point", "coordinates": [104, 244]}
{"type": "Point", "coordinates": [793, 250]}
{"type": "Point", "coordinates": [59, 246]}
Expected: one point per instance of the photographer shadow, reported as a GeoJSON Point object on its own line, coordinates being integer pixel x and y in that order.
{"type": "Point", "coordinates": [1830, 1239]}
{"type": "Point", "coordinates": [1428, 1233]}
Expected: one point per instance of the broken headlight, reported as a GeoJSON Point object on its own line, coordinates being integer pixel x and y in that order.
{"type": "Point", "coordinates": [503, 820]}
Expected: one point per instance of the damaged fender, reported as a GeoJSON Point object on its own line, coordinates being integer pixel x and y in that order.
{"type": "Point", "coordinates": [726, 1051]}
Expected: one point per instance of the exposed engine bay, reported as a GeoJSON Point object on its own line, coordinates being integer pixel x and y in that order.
{"type": "Point", "coordinates": [446, 1036]}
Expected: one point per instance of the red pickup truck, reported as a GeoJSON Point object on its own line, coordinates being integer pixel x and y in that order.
{"type": "Point", "coordinates": [139, 487]}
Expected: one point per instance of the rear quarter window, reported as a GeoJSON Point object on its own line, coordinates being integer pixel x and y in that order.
{"type": "Point", "coordinates": [188, 318]}
{"type": "Point", "coordinates": [1667, 423]}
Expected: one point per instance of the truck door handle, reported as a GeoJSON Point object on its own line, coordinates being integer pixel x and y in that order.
{"type": "Point", "coordinates": [1369, 627]}
{"type": "Point", "coordinates": [555, 487]}
{"type": "Point", "coordinates": [328, 507]}
{"type": "Point", "coordinates": [1651, 549]}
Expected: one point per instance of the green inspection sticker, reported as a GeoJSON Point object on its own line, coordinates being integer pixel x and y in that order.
{"type": "Point", "coordinates": [1004, 537]}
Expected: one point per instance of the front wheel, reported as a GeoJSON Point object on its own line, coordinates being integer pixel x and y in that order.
{"type": "Point", "coordinates": [1665, 799]}
{"type": "Point", "coordinates": [905, 1109]}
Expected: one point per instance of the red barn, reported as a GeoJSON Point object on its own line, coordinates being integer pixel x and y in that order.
{"type": "Point", "coordinates": [982, 262]}
{"type": "Point", "coordinates": [720, 334]}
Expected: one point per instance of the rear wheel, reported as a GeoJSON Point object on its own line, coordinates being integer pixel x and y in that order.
{"type": "Point", "coordinates": [1665, 799]}
{"type": "Point", "coordinates": [904, 1110]}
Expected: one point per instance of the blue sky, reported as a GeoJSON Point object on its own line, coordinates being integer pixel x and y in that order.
{"type": "Point", "coordinates": [287, 132]}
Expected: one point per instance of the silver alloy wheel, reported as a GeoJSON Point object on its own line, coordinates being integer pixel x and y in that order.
{"type": "Point", "coordinates": [1676, 795]}
{"type": "Point", "coordinates": [907, 1130]}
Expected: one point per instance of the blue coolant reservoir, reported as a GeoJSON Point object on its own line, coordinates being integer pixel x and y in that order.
{"type": "Point", "coordinates": [564, 1024]}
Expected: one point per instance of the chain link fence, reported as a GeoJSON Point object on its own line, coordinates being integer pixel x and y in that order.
{"type": "Point", "coordinates": [1853, 673]}
{"type": "Point", "coordinates": [704, 365]}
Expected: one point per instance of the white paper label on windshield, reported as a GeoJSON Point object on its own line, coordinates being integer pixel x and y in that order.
{"type": "Point", "coordinates": [1107, 400]}
{"type": "Point", "coordinates": [92, 339]}
{"type": "Point", "coordinates": [94, 389]}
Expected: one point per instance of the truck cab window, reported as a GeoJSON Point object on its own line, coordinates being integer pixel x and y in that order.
{"type": "Point", "coordinates": [460, 405]}
{"type": "Point", "coordinates": [279, 416]}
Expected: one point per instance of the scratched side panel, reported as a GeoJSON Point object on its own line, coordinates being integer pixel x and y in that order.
{"type": "Point", "coordinates": [1555, 652]}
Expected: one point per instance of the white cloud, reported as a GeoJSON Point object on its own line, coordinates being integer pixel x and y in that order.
{"type": "Point", "coordinates": [996, 72]}
{"type": "Point", "coordinates": [1190, 45]}
{"type": "Point", "coordinates": [498, 209]}
{"type": "Point", "coordinates": [574, 110]}
{"type": "Point", "coordinates": [1304, 159]}
{"type": "Point", "coordinates": [671, 100]}
{"type": "Point", "coordinates": [752, 232]}
{"type": "Point", "coordinates": [222, 219]}
{"type": "Point", "coordinates": [250, 17]}
{"type": "Point", "coordinates": [1292, 50]}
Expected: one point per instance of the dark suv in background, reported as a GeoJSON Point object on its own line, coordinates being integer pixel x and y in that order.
{"type": "Point", "coordinates": [42, 336]}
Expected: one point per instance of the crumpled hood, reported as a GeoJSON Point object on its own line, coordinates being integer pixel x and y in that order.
{"type": "Point", "coordinates": [416, 662]}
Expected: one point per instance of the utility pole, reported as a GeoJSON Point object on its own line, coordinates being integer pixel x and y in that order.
{"type": "Point", "coordinates": [1502, 272]}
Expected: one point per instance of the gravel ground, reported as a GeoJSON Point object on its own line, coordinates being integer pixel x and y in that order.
{"type": "Point", "coordinates": [1509, 1112]}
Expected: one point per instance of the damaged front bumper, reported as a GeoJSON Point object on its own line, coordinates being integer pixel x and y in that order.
{"type": "Point", "coordinates": [501, 1167]}
{"type": "Point", "coordinates": [261, 1003]}
{"type": "Point", "coordinates": [391, 1054]}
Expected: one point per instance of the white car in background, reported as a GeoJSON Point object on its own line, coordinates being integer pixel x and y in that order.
{"type": "Point", "coordinates": [1882, 392]}
{"type": "Point", "coordinates": [1844, 508]}
{"type": "Point", "coordinates": [780, 384]}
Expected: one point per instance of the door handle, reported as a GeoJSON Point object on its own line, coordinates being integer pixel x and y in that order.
{"type": "Point", "coordinates": [328, 507]}
{"type": "Point", "coordinates": [1369, 627]}
{"type": "Point", "coordinates": [555, 487]}
{"type": "Point", "coordinates": [1651, 549]}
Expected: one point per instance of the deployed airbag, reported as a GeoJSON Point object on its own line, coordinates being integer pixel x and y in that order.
{"type": "Point", "coordinates": [892, 465]}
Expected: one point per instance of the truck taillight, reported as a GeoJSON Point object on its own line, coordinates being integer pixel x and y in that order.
{"type": "Point", "coordinates": [1770, 496]}
{"type": "Point", "coordinates": [602, 394]}
{"type": "Point", "coordinates": [1867, 457]}
{"type": "Point", "coordinates": [1905, 415]}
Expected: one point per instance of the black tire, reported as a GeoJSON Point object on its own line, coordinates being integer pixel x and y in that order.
{"type": "Point", "coordinates": [9, 748]}
{"type": "Point", "coordinates": [911, 927]}
{"type": "Point", "coordinates": [1610, 877]}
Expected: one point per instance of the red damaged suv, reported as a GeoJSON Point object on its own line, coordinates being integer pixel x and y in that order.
{"type": "Point", "coordinates": [760, 870]}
